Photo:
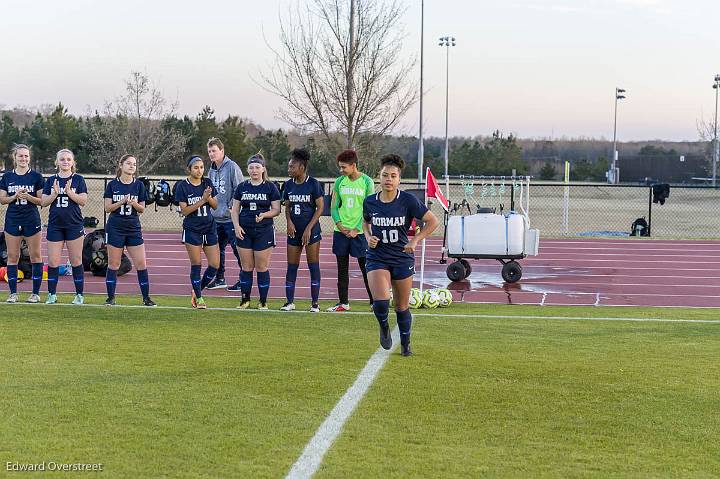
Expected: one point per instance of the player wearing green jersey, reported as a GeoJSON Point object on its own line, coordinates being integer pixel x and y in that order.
{"type": "Point", "coordinates": [349, 192]}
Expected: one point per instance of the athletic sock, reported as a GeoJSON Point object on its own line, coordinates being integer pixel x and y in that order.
{"type": "Point", "coordinates": [79, 278]}
{"type": "Point", "coordinates": [363, 269]}
{"type": "Point", "coordinates": [144, 282]}
{"type": "Point", "coordinates": [343, 282]}
{"type": "Point", "coordinates": [195, 279]}
{"type": "Point", "coordinates": [53, 273]}
{"type": "Point", "coordinates": [404, 321]}
{"type": "Point", "coordinates": [290, 277]}
{"type": "Point", "coordinates": [12, 270]}
{"type": "Point", "coordinates": [314, 281]}
{"type": "Point", "coordinates": [209, 275]}
{"type": "Point", "coordinates": [111, 282]}
{"type": "Point", "coordinates": [381, 308]}
{"type": "Point", "coordinates": [37, 276]}
{"type": "Point", "coordinates": [263, 279]}
{"type": "Point", "coordinates": [246, 282]}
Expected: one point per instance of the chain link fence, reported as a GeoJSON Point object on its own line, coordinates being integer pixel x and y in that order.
{"type": "Point", "coordinates": [557, 210]}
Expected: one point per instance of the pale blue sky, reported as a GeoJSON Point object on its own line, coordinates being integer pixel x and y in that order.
{"type": "Point", "coordinates": [532, 67]}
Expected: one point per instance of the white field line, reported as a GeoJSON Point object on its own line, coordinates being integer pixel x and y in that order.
{"type": "Point", "coordinates": [311, 457]}
{"type": "Point", "coordinates": [415, 313]}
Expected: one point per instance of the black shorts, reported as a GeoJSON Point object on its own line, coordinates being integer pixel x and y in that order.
{"type": "Point", "coordinates": [344, 246]}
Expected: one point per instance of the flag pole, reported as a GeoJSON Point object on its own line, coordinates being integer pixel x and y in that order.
{"type": "Point", "coordinates": [422, 255]}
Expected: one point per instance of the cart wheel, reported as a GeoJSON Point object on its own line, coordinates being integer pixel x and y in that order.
{"type": "Point", "coordinates": [456, 271]}
{"type": "Point", "coordinates": [511, 272]}
{"type": "Point", "coordinates": [468, 268]}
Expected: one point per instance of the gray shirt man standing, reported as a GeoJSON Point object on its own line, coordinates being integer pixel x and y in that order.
{"type": "Point", "coordinates": [225, 175]}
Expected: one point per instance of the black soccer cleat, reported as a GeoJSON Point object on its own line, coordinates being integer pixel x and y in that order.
{"type": "Point", "coordinates": [149, 302]}
{"type": "Point", "coordinates": [405, 350]}
{"type": "Point", "coordinates": [385, 338]}
{"type": "Point", "coordinates": [217, 283]}
{"type": "Point", "coordinates": [110, 301]}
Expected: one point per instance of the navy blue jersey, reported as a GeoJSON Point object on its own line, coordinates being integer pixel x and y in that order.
{"type": "Point", "coordinates": [64, 212]}
{"type": "Point", "coordinates": [125, 219]}
{"type": "Point", "coordinates": [390, 222]}
{"type": "Point", "coordinates": [255, 199]}
{"type": "Point", "coordinates": [201, 220]}
{"type": "Point", "coordinates": [301, 199]}
{"type": "Point", "coordinates": [22, 211]}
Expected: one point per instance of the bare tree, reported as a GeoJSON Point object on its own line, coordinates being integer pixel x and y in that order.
{"type": "Point", "coordinates": [339, 69]}
{"type": "Point", "coordinates": [133, 124]}
{"type": "Point", "coordinates": [706, 130]}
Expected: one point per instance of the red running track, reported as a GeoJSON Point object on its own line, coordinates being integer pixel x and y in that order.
{"type": "Point", "coordinates": [606, 272]}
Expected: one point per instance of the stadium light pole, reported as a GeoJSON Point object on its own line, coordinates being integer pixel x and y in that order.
{"type": "Point", "coordinates": [421, 148]}
{"type": "Point", "coordinates": [716, 149]}
{"type": "Point", "coordinates": [447, 42]}
{"type": "Point", "coordinates": [618, 96]}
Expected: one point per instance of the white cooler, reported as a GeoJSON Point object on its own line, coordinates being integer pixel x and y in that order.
{"type": "Point", "coordinates": [491, 234]}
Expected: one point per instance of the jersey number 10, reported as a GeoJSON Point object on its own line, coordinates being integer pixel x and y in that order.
{"type": "Point", "coordinates": [389, 236]}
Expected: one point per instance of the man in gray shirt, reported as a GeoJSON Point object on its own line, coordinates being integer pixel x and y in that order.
{"type": "Point", "coordinates": [225, 175]}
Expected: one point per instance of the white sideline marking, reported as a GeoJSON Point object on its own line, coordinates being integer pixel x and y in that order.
{"type": "Point", "coordinates": [311, 457]}
{"type": "Point", "coordinates": [415, 313]}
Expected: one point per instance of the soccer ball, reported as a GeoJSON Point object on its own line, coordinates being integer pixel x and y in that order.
{"type": "Point", "coordinates": [431, 299]}
{"type": "Point", "coordinates": [416, 298]}
{"type": "Point", "coordinates": [446, 298]}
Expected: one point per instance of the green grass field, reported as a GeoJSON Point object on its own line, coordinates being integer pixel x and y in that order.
{"type": "Point", "coordinates": [502, 391]}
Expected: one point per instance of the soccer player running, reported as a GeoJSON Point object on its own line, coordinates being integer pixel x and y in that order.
{"type": "Point", "coordinates": [196, 197]}
{"type": "Point", "coordinates": [65, 193]}
{"type": "Point", "coordinates": [390, 259]}
{"type": "Point", "coordinates": [255, 203]}
{"type": "Point", "coordinates": [303, 197]}
{"type": "Point", "coordinates": [21, 190]}
{"type": "Point", "coordinates": [125, 199]}
{"type": "Point", "coordinates": [225, 175]}
{"type": "Point", "coordinates": [349, 192]}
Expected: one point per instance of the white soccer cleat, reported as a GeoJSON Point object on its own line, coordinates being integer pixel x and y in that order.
{"type": "Point", "coordinates": [33, 298]}
{"type": "Point", "coordinates": [288, 307]}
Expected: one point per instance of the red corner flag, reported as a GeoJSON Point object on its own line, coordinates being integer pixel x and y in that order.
{"type": "Point", "coordinates": [432, 189]}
